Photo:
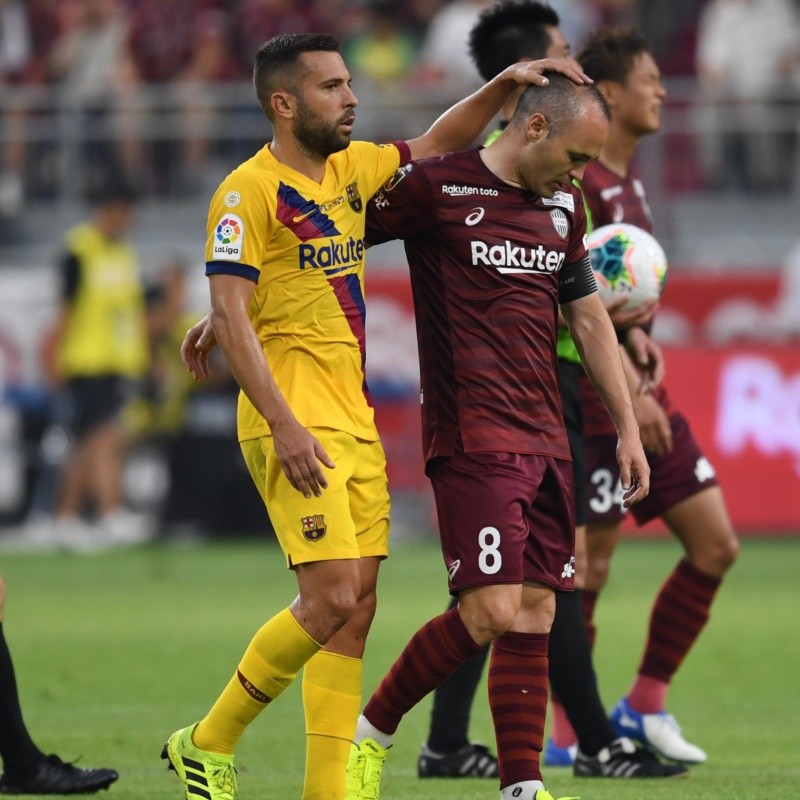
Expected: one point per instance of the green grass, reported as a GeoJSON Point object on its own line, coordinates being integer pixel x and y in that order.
{"type": "Point", "coordinates": [116, 651]}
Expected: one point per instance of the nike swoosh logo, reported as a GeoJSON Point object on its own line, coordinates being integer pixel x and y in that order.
{"type": "Point", "coordinates": [302, 216]}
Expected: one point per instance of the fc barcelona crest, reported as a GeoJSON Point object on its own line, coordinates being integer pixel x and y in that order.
{"type": "Point", "coordinates": [314, 527]}
{"type": "Point", "coordinates": [354, 198]}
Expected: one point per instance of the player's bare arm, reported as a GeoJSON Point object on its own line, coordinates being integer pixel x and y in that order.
{"type": "Point", "coordinates": [300, 454]}
{"type": "Point", "coordinates": [463, 123]}
{"type": "Point", "coordinates": [197, 346]}
{"type": "Point", "coordinates": [655, 430]}
{"type": "Point", "coordinates": [647, 358]}
{"type": "Point", "coordinates": [654, 427]}
{"type": "Point", "coordinates": [594, 336]}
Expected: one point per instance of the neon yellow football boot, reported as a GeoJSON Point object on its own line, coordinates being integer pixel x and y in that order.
{"type": "Point", "coordinates": [203, 774]}
{"type": "Point", "coordinates": [364, 767]}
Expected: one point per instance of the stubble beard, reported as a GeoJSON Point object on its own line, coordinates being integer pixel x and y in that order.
{"type": "Point", "coordinates": [316, 136]}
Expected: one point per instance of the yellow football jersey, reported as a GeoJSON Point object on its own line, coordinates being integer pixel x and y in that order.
{"type": "Point", "coordinates": [302, 243]}
{"type": "Point", "coordinates": [106, 331]}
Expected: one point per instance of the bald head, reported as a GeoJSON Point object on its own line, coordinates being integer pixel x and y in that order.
{"type": "Point", "coordinates": [555, 132]}
{"type": "Point", "coordinates": [560, 102]}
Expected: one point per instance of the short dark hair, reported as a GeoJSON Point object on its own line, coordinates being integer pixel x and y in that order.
{"type": "Point", "coordinates": [609, 53]}
{"type": "Point", "coordinates": [560, 101]}
{"type": "Point", "coordinates": [276, 62]}
{"type": "Point", "coordinates": [509, 31]}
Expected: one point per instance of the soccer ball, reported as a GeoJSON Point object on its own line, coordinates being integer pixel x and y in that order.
{"type": "Point", "coordinates": [627, 262]}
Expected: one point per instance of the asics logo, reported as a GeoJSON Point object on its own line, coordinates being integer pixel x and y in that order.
{"type": "Point", "coordinates": [451, 572]}
{"type": "Point", "coordinates": [475, 216]}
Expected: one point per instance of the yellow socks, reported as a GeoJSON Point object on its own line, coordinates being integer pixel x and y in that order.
{"type": "Point", "coordinates": [271, 662]}
{"type": "Point", "coordinates": [332, 701]}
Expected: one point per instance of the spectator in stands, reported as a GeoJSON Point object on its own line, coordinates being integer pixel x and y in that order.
{"type": "Point", "coordinates": [579, 17]}
{"type": "Point", "coordinates": [27, 32]}
{"type": "Point", "coordinates": [89, 61]}
{"type": "Point", "coordinates": [178, 47]}
{"type": "Point", "coordinates": [256, 21]}
{"type": "Point", "coordinates": [14, 54]}
{"type": "Point", "coordinates": [445, 58]}
{"type": "Point", "coordinates": [418, 14]}
{"type": "Point", "coordinates": [384, 51]}
{"type": "Point", "coordinates": [746, 50]}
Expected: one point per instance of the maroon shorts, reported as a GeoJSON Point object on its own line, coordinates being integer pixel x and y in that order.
{"type": "Point", "coordinates": [504, 518]}
{"type": "Point", "coordinates": [679, 474]}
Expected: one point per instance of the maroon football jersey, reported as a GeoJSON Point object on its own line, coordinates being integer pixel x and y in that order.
{"type": "Point", "coordinates": [611, 199]}
{"type": "Point", "coordinates": [489, 264]}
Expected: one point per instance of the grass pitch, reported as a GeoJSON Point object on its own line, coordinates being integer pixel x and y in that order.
{"type": "Point", "coordinates": [116, 651]}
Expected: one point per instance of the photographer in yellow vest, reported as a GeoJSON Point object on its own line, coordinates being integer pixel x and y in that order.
{"type": "Point", "coordinates": [96, 353]}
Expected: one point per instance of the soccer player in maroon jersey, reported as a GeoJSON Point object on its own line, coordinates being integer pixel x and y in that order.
{"type": "Point", "coordinates": [685, 493]}
{"type": "Point", "coordinates": [511, 31]}
{"type": "Point", "coordinates": [495, 244]}
{"type": "Point", "coordinates": [505, 33]}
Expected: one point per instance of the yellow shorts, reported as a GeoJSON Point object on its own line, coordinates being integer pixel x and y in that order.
{"type": "Point", "coordinates": [349, 520]}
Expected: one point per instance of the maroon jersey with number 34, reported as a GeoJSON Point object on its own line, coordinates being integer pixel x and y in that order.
{"type": "Point", "coordinates": [610, 199]}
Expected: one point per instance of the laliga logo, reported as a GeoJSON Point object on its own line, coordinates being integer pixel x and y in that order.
{"type": "Point", "coordinates": [760, 407]}
{"type": "Point", "coordinates": [229, 238]}
{"type": "Point", "coordinates": [228, 231]}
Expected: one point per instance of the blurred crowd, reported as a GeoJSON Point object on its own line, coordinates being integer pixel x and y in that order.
{"type": "Point", "coordinates": [122, 63]}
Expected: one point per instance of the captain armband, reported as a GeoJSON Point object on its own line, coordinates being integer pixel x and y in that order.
{"type": "Point", "coordinates": [575, 280]}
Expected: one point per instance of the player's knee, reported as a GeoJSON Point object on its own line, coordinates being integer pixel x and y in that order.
{"type": "Point", "coordinates": [342, 605]}
{"type": "Point", "coordinates": [597, 572]}
{"type": "Point", "coordinates": [581, 573]}
{"type": "Point", "coordinates": [718, 555]}
{"type": "Point", "coordinates": [365, 611]}
{"type": "Point", "coordinates": [335, 605]}
{"type": "Point", "coordinates": [487, 621]}
{"type": "Point", "coordinates": [728, 552]}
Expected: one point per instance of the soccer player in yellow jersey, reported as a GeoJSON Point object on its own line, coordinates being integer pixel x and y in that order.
{"type": "Point", "coordinates": [285, 259]}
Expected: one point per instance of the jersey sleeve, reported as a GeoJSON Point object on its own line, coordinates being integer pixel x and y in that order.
{"type": "Point", "coordinates": [576, 278]}
{"type": "Point", "coordinates": [238, 230]}
{"type": "Point", "coordinates": [381, 161]}
{"type": "Point", "coordinates": [402, 208]}
{"type": "Point", "coordinates": [576, 246]}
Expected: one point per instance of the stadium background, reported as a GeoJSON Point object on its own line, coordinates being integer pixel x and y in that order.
{"type": "Point", "coordinates": [185, 115]}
